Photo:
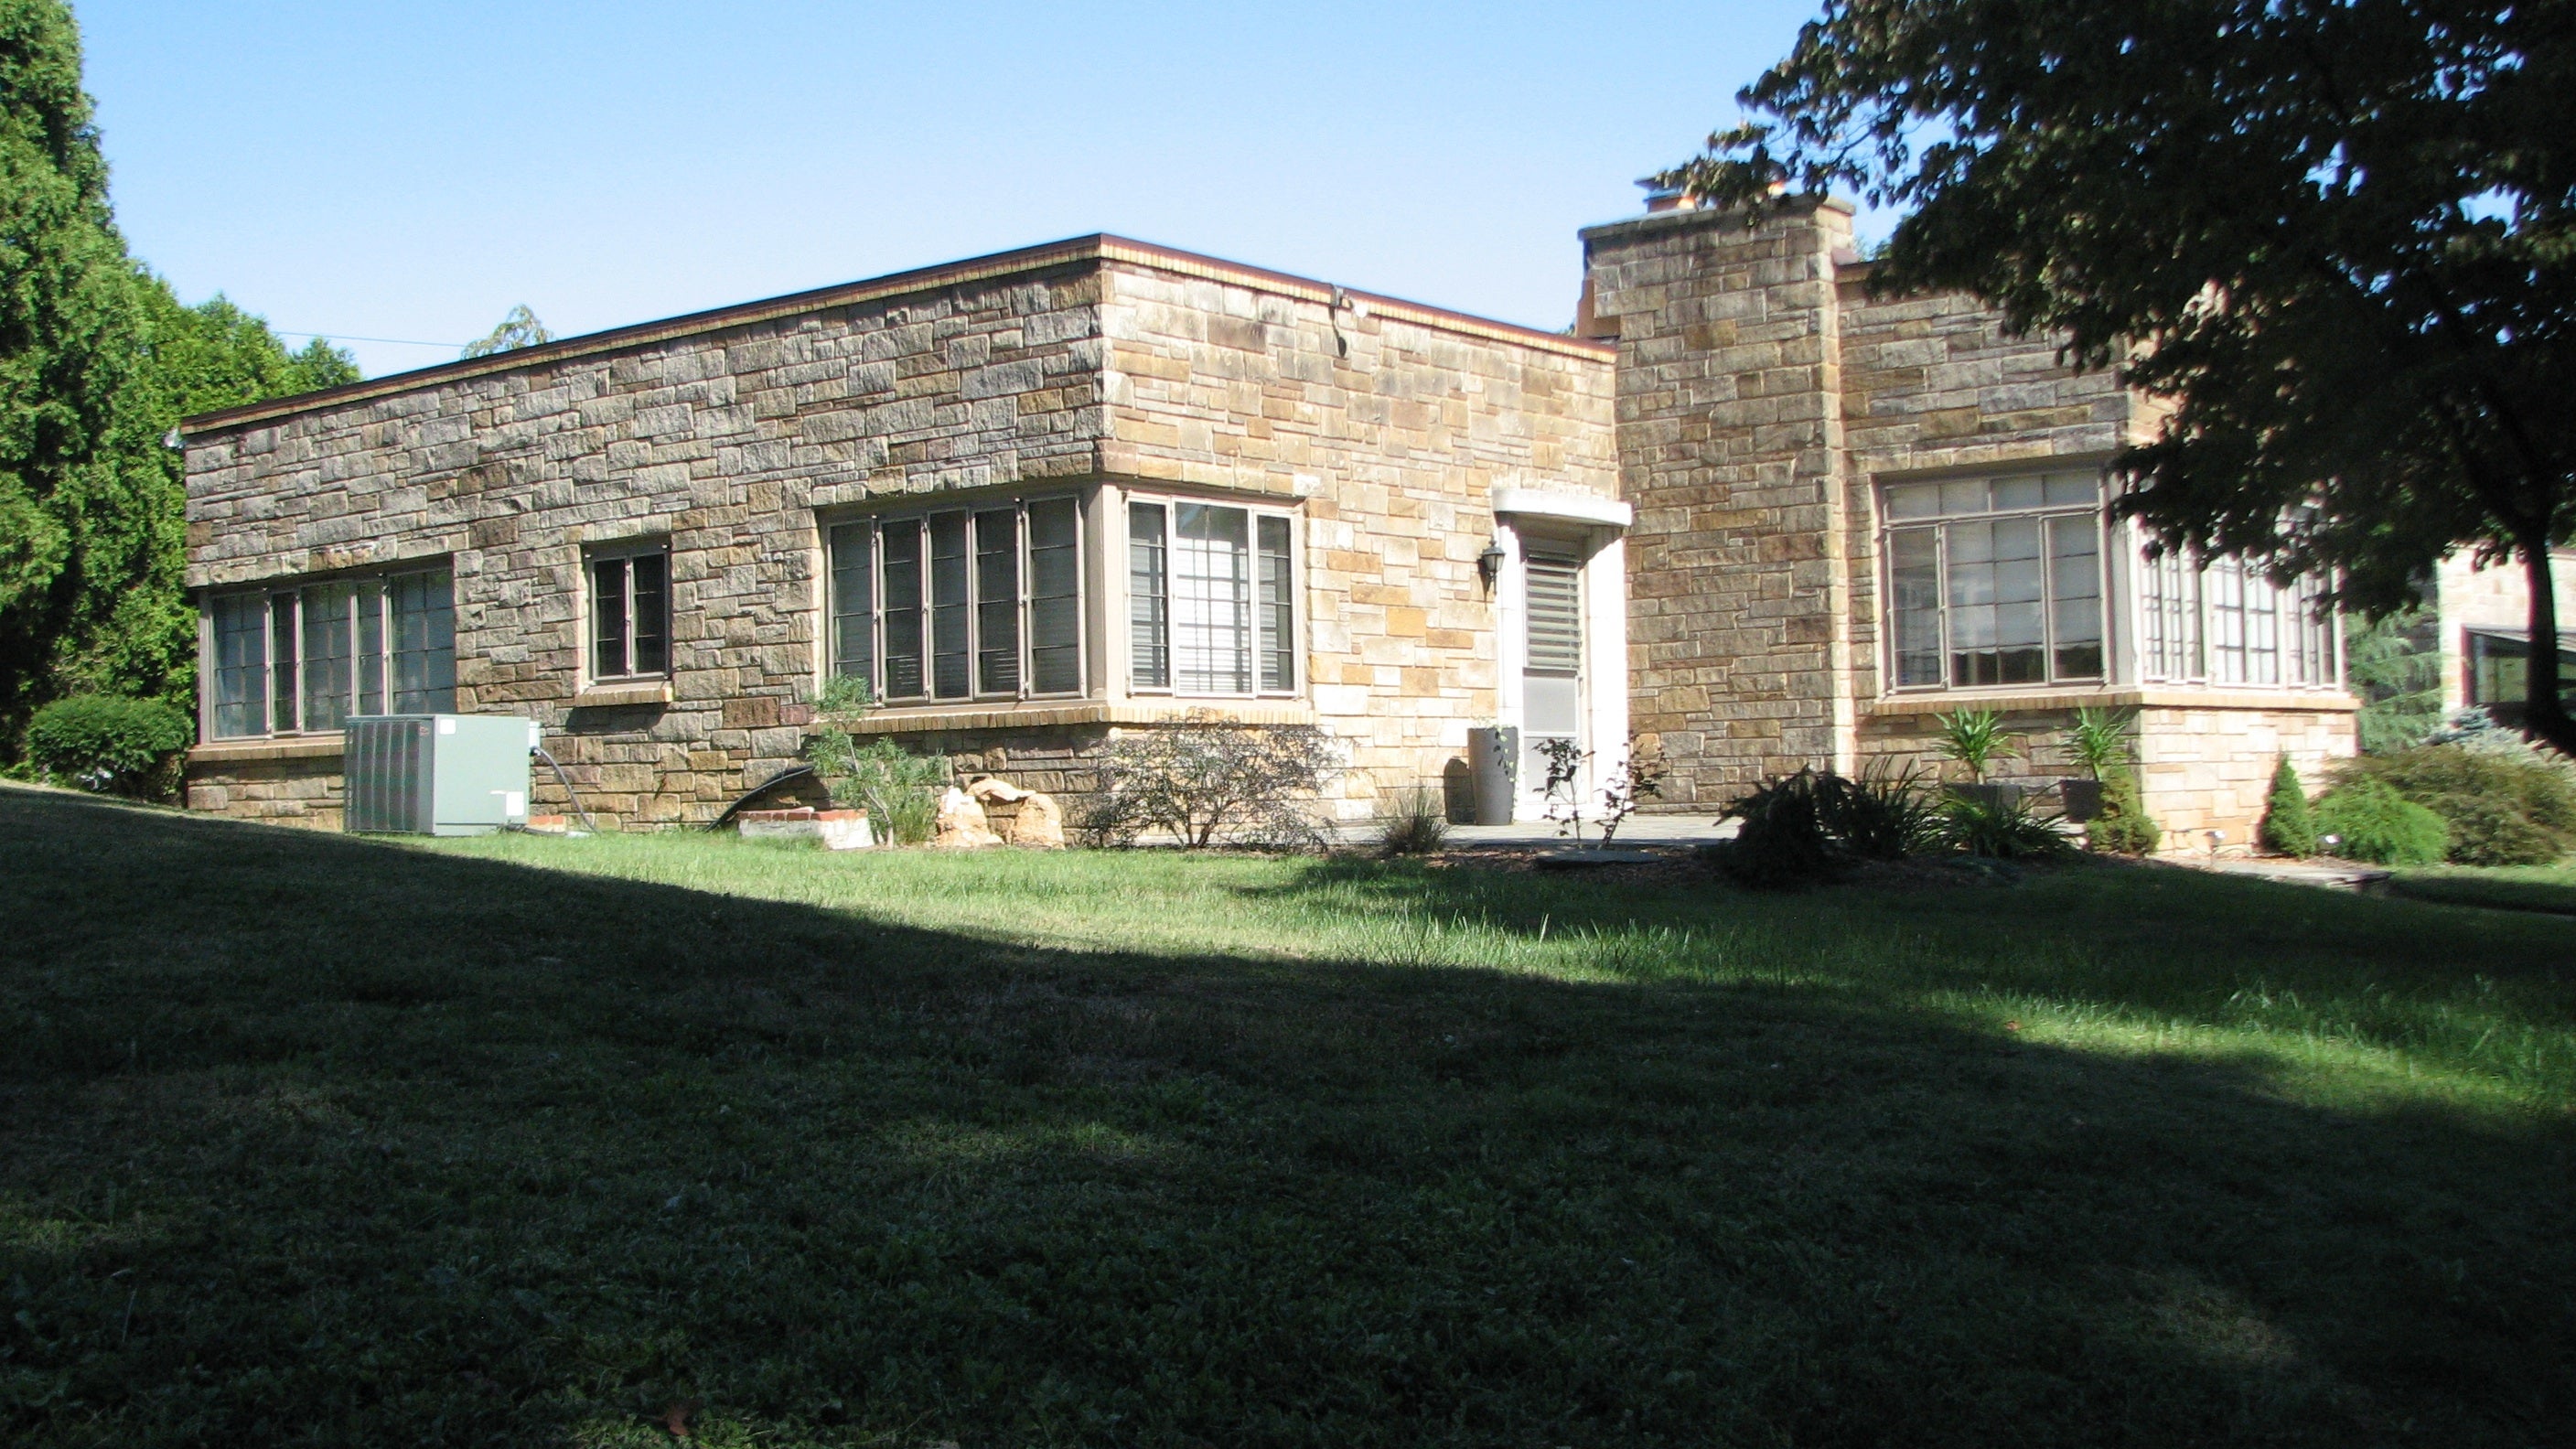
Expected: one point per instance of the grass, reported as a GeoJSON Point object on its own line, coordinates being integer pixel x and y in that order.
{"type": "Point", "coordinates": [2550, 888]}
{"type": "Point", "coordinates": [312, 1140]}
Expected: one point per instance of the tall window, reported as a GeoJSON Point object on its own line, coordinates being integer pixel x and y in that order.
{"type": "Point", "coordinates": [960, 604]}
{"type": "Point", "coordinates": [630, 613]}
{"type": "Point", "coordinates": [1211, 598]}
{"type": "Point", "coordinates": [306, 658]}
{"type": "Point", "coordinates": [2225, 622]}
{"type": "Point", "coordinates": [1995, 581]}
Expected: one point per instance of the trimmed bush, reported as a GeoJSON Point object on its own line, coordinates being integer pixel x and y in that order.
{"type": "Point", "coordinates": [2504, 806]}
{"type": "Point", "coordinates": [2368, 820]}
{"type": "Point", "coordinates": [2123, 827]}
{"type": "Point", "coordinates": [2288, 828]}
{"type": "Point", "coordinates": [109, 743]}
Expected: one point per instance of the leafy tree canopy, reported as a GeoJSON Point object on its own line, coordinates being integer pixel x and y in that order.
{"type": "Point", "coordinates": [519, 329]}
{"type": "Point", "coordinates": [2332, 237]}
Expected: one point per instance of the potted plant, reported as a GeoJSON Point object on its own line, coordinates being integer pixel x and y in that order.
{"type": "Point", "coordinates": [2099, 742]}
{"type": "Point", "coordinates": [1976, 739]}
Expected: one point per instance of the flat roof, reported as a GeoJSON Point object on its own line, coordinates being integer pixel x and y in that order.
{"type": "Point", "coordinates": [1098, 247]}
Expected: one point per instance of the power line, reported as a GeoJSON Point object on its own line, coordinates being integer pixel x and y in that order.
{"type": "Point", "coordinates": [346, 337]}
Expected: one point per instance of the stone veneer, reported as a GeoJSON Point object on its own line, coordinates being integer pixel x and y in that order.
{"type": "Point", "coordinates": [1764, 394]}
{"type": "Point", "coordinates": [1096, 365]}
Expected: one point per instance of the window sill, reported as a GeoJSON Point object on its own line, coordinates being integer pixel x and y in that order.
{"type": "Point", "coordinates": [298, 747]}
{"type": "Point", "coordinates": [611, 696]}
{"type": "Point", "coordinates": [919, 719]}
{"type": "Point", "coordinates": [2116, 696]}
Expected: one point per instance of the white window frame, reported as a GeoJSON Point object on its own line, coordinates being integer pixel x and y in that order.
{"type": "Point", "coordinates": [1024, 600]}
{"type": "Point", "coordinates": [2300, 637]}
{"type": "Point", "coordinates": [627, 551]}
{"type": "Point", "coordinates": [372, 584]}
{"type": "Point", "coordinates": [1294, 641]}
{"type": "Point", "coordinates": [2045, 514]}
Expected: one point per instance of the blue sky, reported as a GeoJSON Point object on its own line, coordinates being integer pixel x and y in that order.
{"type": "Point", "coordinates": [412, 171]}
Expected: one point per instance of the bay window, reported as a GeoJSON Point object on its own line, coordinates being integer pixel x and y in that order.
{"type": "Point", "coordinates": [2001, 582]}
{"type": "Point", "coordinates": [305, 658]}
{"type": "Point", "coordinates": [956, 604]}
{"type": "Point", "coordinates": [1211, 599]}
{"type": "Point", "coordinates": [2226, 623]}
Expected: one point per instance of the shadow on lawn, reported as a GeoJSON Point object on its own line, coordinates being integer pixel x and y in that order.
{"type": "Point", "coordinates": [318, 1140]}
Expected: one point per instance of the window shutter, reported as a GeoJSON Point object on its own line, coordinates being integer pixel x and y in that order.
{"type": "Point", "coordinates": [1555, 614]}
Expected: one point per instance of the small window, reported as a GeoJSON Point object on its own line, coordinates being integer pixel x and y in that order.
{"type": "Point", "coordinates": [963, 604]}
{"type": "Point", "coordinates": [308, 658]}
{"type": "Point", "coordinates": [1212, 599]}
{"type": "Point", "coordinates": [2226, 622]}
{"type": "Point", "coordinates": [630, 614]}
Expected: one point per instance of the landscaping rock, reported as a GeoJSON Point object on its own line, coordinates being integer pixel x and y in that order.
{"type": "Point", "coordinates": [1038, 823]}
{"type": "Point", "coordinates": [962, 825]}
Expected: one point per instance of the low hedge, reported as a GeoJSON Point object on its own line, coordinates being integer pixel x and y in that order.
{"type": "Point", "coordinates": [2368, 820]}
{"type": "Point", "coordinates": [2502, 807]}
{"type": "Point", "coordinates": [109, 743]}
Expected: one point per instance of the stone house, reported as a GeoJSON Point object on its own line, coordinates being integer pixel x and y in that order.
{"type": "Point", "coordinates": [1029, 499]}
{"type": "Point", "coordinates": [1038, 498]}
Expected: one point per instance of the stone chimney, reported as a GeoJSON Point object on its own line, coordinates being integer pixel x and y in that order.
{"type": "Point", "coordinates": [1730, 436]}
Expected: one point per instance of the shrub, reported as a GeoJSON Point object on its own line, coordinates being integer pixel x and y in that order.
{"type": "Point", "coordinates": [899, 790]}
{"type": "Point", "coordinates": [1416, 822]}
{"type": "Point", "coordinates": [2123, 827]}
{"type": "Point", "coordinates": [2504, 803]}
{"type": "Point", "coordinates": [109, 743]}
{"type": "Point", "coordinates": [1787, 840]}
{"type": "Point", "coordinates": [2366, 819]}
{"type": "Point", "coordinates": [1207, 778]}
{"type": "Point", "coordinates": [1885, 814]}
{"type": "Point", "coordinates": [2287, 827]}
{"type": "Point", "coordinates": [2001, 828]}
{"type": "Point", "coordinates": [1814, 826]}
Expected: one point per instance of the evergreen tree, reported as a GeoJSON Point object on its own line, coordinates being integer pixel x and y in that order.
{"type": "Point", "coordinates": [83, 518]}
{"type": "Point", "coordinates": [2287, 827]}
{"type": "Point", "coordinates": [2123, 827]}
{"type": "Point", "coordinates": [98, 362]}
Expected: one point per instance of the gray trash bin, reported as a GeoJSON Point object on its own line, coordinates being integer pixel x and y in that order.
{"type": "Point", "coordinates": [1493, 759]}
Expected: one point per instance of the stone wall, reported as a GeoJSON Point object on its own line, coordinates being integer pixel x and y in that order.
{"type": "Point", "coordinates": [1098, 364]}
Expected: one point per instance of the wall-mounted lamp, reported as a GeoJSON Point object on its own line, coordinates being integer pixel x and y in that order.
{"type": "Point", "coordinates": [1489, 565]}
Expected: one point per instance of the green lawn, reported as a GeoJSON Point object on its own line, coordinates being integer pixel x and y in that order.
{"type": "Point", "coordinates": [2549, 888]}
{"type": "Point", "coordinates": [311, 1140]}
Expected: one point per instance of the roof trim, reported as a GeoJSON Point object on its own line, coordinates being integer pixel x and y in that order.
{"type": "Point", "coordinates": [1073, 251]}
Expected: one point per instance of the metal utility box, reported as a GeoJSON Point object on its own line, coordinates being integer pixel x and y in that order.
{"type": "Point", "coordinates": [437, 774]}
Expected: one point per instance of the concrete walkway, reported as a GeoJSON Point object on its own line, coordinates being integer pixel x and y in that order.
{"type": "Point", "coordinates": [2334, 875]}
{"type": "Point", "coordinates": [1640, 830]}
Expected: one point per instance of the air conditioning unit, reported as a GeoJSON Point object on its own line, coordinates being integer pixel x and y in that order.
{"type": "Point", "coordinates": [437, 774]}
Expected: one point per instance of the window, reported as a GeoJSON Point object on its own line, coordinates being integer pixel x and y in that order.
{"type": "Point", "coordinates": [1995, 581]}
{"type": "Point", "coordinates": [2227, 623]}
{"type": "Point", "coordinates": [2500, 672]}
{"type": "Point", "coordinates": [960, 604]}
{"type": "Point", "coordinates": [1211, 595]}
{"type": "Point", "coordinates": [630, 613]}
{"type": "Point", "coordinates": [307, 658]}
